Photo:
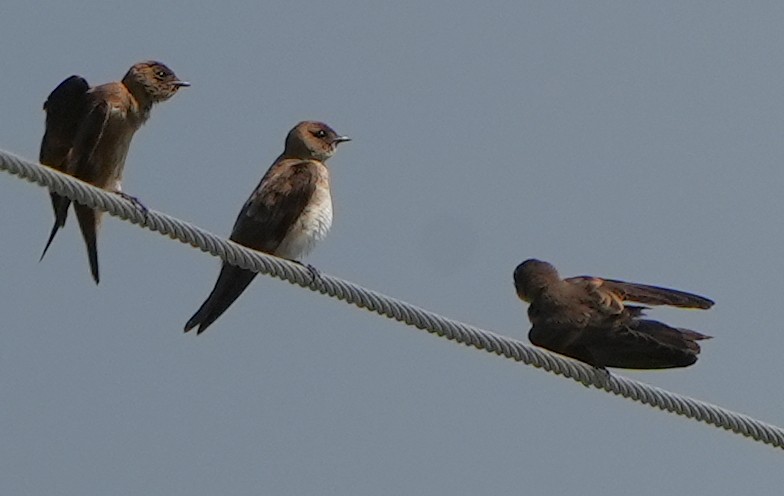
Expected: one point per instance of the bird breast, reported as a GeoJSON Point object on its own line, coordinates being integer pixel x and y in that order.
{"type": "Point", "coordinates": [112, 150]}
{"type": "Point", "coordinates": [311, 226]}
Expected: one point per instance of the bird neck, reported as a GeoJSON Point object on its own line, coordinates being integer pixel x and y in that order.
{"type": "Point", "coordinates": [141, 97]}
{"type": "Point", "coordinates": [296, 155]}
{"type": "Point", "coordinates": [544, 287]}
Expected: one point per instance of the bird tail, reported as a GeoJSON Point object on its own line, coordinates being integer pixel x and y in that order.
{"type": "Point", "coordinates": [231, 282]}
{"type": "Point", "coordinates": [679, 338]}
{"type": "Point", "coordinates": [88, 222]}
{"type": "Point", "coordinates": [60, 205]}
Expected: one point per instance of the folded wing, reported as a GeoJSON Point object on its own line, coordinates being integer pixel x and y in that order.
{"type": "Point", "coordinates": [262, 224]}
{"type": "Point", "coordinates": [65, 109]}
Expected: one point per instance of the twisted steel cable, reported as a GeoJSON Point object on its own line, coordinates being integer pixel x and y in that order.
{"type": "Point", "coordinates": [392, 308]}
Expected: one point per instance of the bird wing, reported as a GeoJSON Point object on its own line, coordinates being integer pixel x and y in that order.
{"type": "Point", "coordinates": [87, 141]}
{"type": "Point", "coordinates": [65, 108]}
{"type": "Point", "coordinates": [642, 293]}
{"type": "Point", "coordinates": [273, 207]}
{"type": "Point", "coordinates": [669, 336]}
{"type": "Point", "coordinates": [647, 345]}
{"type": "Point", "coordinates": [275, 204]}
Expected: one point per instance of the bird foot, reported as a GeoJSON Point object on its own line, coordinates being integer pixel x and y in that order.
{"type": "Point", "coordinates": [603, 375]}
{"type": "Point", "coordinates": [133, 200]}
{"type": "Point", "coordinates": [136, 203]}
{"type": "Point", "coordinates": [313, 271]}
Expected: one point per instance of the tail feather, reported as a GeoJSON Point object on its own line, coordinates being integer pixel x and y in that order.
{"type": "Point", "coordinates": [678, 338]}
{"type": "Point", "coordinates": [60, 205]}
{"type": "Point", "coordinates": [88, 222]}
{"type": "Point", "coordinates": [231, 282]}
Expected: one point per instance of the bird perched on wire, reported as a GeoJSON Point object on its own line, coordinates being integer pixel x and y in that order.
{"type": "Point", "coordinates": [88, 133]}
{"type": "Point", "coordinates": [586, 318]}
{"type": "Point", "coordinates": [288, 212]}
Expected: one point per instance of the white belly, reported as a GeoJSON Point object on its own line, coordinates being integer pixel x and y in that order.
{"type": "Point", "coordinates": [311, 227]}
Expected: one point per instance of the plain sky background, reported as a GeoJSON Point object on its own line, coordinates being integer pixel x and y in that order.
{"type": "Point", "coordinates": [634, 140]}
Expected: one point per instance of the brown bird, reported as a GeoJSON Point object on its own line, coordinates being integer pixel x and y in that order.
{"type": "Point", "coordinates": [586, 318]}
{"type": "Point", "coordinates": [88, 133]}
{"type": "Point", "coordinates": [288, 212]}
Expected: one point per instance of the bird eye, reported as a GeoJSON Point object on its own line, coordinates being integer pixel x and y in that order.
{"type": "Point", "coordinates": [321, 134]}
{"type": "Point", "coordinates": [160, 73]}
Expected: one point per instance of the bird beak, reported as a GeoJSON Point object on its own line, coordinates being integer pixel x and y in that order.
{"type": "Point", "coordinates": [181, 83]}
{"type": "Point", "coordinates": [341, 139]}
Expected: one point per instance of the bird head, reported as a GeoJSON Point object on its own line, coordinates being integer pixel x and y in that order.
{"type": "Point", "coordinates": [312, 140]}
{"type": "Point", "coordinates": [532, 277]}
{"type": "Point", "coordinates": [154, 79]}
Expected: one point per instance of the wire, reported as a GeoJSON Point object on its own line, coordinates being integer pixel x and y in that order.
{"type": "Point", "coordinates": [392, 308]}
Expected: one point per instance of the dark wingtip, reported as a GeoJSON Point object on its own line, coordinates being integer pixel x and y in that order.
{"type": "Point", "coordinates": [691, 300]}
{"type": "Point", "coordinates": [55, 228]}
{"type": "Point", "coordinates": [697, 302]}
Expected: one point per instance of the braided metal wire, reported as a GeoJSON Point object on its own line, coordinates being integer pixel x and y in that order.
{"type": "Point", "coordinates": [389, 307]}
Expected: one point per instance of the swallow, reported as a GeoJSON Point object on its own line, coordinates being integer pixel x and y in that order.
{"type": "Point", "coordinates": [586, 318]}
{"type": "Point", "coordinates": [88, 133]}
{"type": "Point", "coordinates": [288, 212]}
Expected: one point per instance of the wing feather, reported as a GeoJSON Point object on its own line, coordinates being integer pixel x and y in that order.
{"type": "Point", "coordinates": [91, 132]}
{"type": "Point", "coordinates": [275, 205]}
{"type": "Point", "coordinates": [65, 108]}
{"type": "Point", "coordinates": [644, 293]}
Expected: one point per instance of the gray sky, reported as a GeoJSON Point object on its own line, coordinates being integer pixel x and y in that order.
{"type": "Point", "coordinates": [635, 140]}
